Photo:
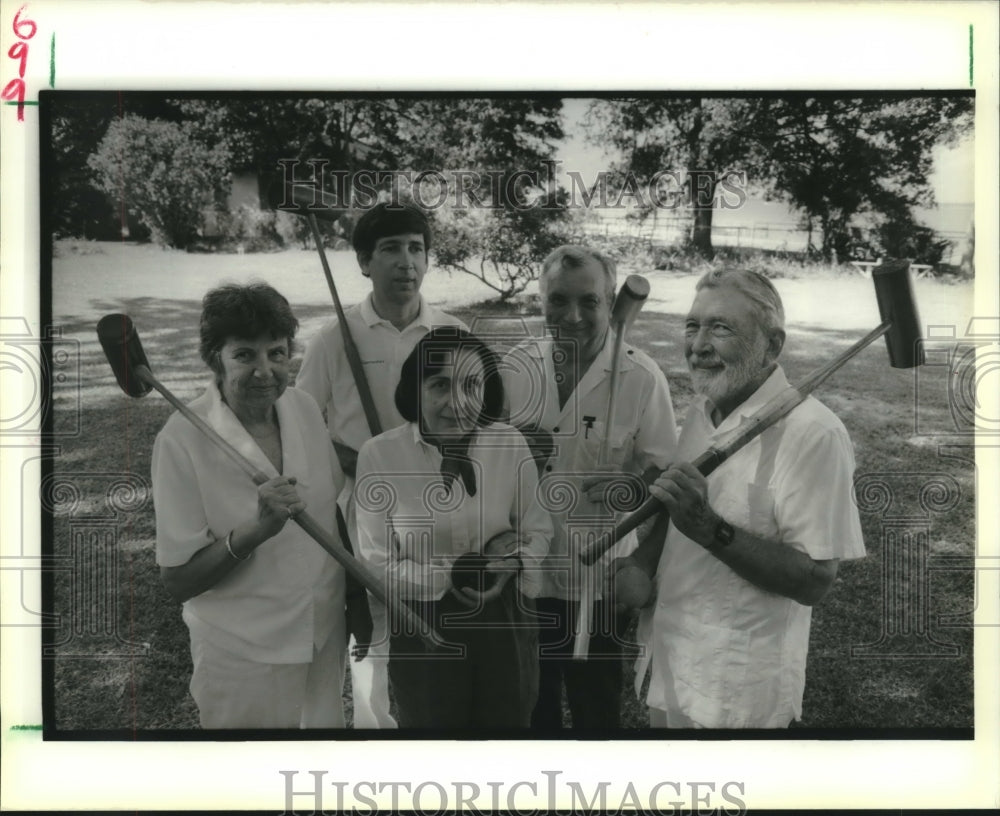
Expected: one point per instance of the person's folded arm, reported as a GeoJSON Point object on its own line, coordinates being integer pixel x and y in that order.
{"type": "Point", "coordinates": [768, 564]}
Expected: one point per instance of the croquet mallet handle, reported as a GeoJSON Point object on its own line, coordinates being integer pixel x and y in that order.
{"type": "Point", "coordinates": [775, 409]}
{"type": "Point", "coordinates": [312, 528]}
{"type": "Point", "coordinates": [350, 348]}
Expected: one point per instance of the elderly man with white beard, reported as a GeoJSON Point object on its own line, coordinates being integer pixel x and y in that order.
{"type": "Point", "coordinates": [753, 547]}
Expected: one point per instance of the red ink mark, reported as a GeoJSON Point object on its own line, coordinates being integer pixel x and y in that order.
{"type": "Point", "coordinates": [19, 24]}
{"type": "Point", "coordinates": [14, 90]}
{"type": "Point", "coordinates": [19, 51]}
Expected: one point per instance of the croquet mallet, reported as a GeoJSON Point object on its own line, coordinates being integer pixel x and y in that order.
{"type": "Point", "coordinates": [628, 303]}
{"type": "Point", "coordinates": [125, 354]}
{"type": "Point", "coordinates": [901, 328]}
{"type": "Point", "coordinates": [312, 204]}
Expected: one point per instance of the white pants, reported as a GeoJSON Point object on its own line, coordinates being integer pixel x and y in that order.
{"type": "Point", "coordinates": [370, 677]}
{"type": "Point", "coordinates": [232, 692]}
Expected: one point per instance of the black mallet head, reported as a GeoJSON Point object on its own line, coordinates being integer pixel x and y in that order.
{"type": "Point", "coordinates": [121, 345]}
{"type": "Point", "coordinates": [897, 307]}
{"type": "Point", "coordinates": [309, 199]}
{"type": "Point", "coordinates": [469, 570]}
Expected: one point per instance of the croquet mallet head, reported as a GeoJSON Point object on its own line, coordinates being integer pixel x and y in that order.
{"type": "Point", "coordinates": [307, 199]}
{"type": "Point", "coordinates": [897, 307]}
{"type": "Point", "coordinates": [629, 301]}
{"type": "Point", "coordinates": [121, 345]}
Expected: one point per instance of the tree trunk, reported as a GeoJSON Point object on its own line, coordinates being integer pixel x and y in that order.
{"type": "Point", "coordinates": [701, 189]}
{"type": "Point", "coordinates": [701, 233]}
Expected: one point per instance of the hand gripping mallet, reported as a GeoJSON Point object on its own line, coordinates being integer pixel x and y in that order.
{"type": "Point", "coordinates": [121, 345]}
{"type": "Point", "coordinates": [628, 303]}
{"type": "Point", "coordinates": [313, 203]}
{"type": "Point", "coordinates": [901, 328]}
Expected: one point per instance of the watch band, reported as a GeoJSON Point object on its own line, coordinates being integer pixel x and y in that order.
{"type": "Point", "coordinates": [723, 535]}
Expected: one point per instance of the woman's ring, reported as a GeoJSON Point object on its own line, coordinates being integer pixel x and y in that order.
{"type": "Point", "coordinates": [289, 511]}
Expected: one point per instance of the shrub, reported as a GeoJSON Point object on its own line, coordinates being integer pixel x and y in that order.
{"type": "Point", "coordinates": [162, 177]}
{"type": "Point", "coordinates": [503, 248]}
{"type": "Point", "coordinates": [249, 229]}
{"type": "Point", "coordinates": [902, 238]}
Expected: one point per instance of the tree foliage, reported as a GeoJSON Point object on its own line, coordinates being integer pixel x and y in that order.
{"type": "Point", "coordinates": [78, 122]}
{"type": "Point", "coordinates": [837, 158]}
{"type": "Point", "coordinates": [513, 212]}
{"type": "Point", "coordinates": [259, 133]}
{"type": "Point", "coordinates": [161, 176]}
{"type": "Point", "coordinates": [701, 137]}
{"type": "Point", "coordinates": [833, 157]}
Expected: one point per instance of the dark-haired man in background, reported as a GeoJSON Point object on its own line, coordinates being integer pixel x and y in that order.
{"type": "Point", "coordinates": [392, 243]}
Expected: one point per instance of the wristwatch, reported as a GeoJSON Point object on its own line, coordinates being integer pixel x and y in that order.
{"type": "Point", "coordinates": [723, 535]}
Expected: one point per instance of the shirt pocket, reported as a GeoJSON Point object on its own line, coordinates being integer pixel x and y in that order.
{"type": "Point", "coordinates": [760, 510]}
{"type": "Point", "coordinates": [620, 445]}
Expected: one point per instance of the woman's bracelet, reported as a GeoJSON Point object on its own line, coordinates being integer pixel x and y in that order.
{"type": "Point", "coordinates": [229, 547]}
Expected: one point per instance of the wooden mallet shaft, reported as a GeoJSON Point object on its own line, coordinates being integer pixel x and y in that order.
{"type": "Point", "coordinates": [123, 349]}
{"type": "Point", "coordinates": [312, 203]}
{"type": "Point", "coordinates": [901, 328]}
{"type": "Point", "coordinates": [628, 303]}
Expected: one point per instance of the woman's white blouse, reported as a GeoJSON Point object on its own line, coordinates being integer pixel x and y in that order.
{"type": "Point", "coordinates": [290, 595]}
{"type": "Point", "coordinates": [411, 529]}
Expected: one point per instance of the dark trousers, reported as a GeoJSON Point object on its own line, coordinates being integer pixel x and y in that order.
{"type": "Point", "coordinates": [484, 676]}
{"type": "Point", "coordinates": [593, 686]}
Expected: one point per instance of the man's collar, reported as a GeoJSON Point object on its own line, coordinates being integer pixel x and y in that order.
{"type": "Point", "coordinates": [371, 317]}
{"type": "Point", "coordinates": [770, 388]}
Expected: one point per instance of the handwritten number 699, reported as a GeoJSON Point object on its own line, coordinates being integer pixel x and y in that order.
{"type": "Point", "coordinates": [14, 90]}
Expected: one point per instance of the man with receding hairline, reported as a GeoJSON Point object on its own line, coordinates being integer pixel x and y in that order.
{"type": "Point", "coordinates": [751, 548]}
{"type": "Point", "coordinates": [560, 385]}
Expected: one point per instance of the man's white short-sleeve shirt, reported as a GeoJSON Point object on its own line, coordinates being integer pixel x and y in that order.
{"type": "Point", "coordinates": [644, 434]}
{"type": "Point", "coordinates": [722, 652]}
{"type": "Point", "coordinates": [326, 375]}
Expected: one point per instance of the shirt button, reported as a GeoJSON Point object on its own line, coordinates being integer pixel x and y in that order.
{"type": "Point", "coordinates": [629, 351]}
{"type": "Point", "coordinates": [548, 468]}
{"type": "Point", "coordinates": [555, 429]}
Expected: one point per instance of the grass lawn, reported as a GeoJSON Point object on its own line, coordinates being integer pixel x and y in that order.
{"type": "Point", "coordinates": [122, 660]}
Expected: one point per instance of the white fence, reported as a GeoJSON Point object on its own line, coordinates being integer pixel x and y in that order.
{"type": "Point", "coordinates": [672, 230]}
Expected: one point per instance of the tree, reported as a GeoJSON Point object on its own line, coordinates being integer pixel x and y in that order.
{"type": "Point", "coordinates": [838, 157]}
{"type": "Point", "coordinates": [162, 176]}
{"type": "Point", "coordinates": [703, 138]}
{"type": "Point", "coordinates": [78, 122]}
{"type": "Point", "coordinates": [506, 213]}
{"type": "Point", "coordinates": [260, 133]}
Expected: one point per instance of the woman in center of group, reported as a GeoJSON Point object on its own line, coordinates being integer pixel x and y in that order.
{"type": "Point", "coordinates": [450, 482]}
